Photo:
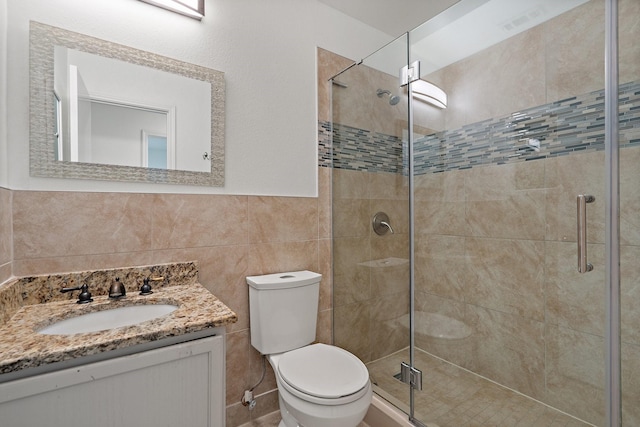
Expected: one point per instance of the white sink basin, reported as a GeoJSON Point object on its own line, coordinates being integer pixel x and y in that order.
{"type": "Point", "coordinates": [108, 319]}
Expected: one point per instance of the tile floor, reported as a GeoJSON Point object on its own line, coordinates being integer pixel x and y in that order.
{"type": "Point", "coordinates": [273, 419]}
{"type": "Point", "coordinates": [453, 397]}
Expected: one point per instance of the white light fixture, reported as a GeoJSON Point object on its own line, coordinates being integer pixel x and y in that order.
{"type": "Point", "coordinates": [191, 8]}
{"type": "Point", "coordinates": [428, 92]}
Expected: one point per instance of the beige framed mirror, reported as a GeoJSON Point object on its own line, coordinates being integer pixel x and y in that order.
{"type": "Point", "coordinates": [62, 148]}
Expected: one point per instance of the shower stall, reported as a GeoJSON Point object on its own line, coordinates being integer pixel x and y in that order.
{"type": "Point", "coordinates": [499, 143]}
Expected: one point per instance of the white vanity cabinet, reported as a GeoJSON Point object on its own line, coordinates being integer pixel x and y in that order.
{"type": "Point", "coordinates": [179, 385]}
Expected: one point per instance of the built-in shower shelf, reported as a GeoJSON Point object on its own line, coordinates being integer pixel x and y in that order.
{"type": "Point", "coordinates": [385, 262]}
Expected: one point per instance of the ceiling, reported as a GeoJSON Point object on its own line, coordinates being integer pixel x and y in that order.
{"type": "Point", "coordinates": [393, 17]}
{"type": "Point", "coordinates": [460, 29]}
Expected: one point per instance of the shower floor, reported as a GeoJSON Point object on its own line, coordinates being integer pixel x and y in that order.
{"type": "Point", "coordinates": [454, 397]}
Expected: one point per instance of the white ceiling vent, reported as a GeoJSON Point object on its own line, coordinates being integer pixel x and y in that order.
{"type": "Point", "coordinates": [536, 14]}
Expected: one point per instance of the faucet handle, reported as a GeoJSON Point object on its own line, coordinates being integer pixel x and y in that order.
{"type": "Point", "coordinates": [84, 297]}
{"type": "Point", "coordinates": [145, 289]}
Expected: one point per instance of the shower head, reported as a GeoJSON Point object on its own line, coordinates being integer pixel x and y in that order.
{"type": "Point", "coordinates": [393, 99]}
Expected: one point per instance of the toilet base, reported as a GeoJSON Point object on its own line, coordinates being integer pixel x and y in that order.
{"type": "Point", "coordinates": [296, 412]}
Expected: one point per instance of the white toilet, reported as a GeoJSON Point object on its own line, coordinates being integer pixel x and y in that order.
{"type": "Point", "coordinates": [319, 385]}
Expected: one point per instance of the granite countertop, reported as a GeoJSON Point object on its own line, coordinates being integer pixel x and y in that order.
{"type": "Point", "coordinates": [21, 347]}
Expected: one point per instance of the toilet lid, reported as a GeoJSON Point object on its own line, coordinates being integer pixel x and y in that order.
{"type": "Point", "coordinates": [323, 371]}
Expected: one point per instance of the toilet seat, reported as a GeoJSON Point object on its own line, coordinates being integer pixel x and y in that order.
{"type": "Point", "coordinates": [323, 374]}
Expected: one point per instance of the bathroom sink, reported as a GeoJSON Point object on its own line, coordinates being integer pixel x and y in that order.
{"type": "Point", "coordinates": [108, 319]}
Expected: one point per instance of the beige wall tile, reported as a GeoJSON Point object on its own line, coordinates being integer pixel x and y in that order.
{"type": "Point", "coordinates": [629, 50]}
{"type": "Point", "coordinates": [324, 329]}
{"type": "Point", "coordinates": [238, 361]}
{"type": "Point", "coordinates": [630, 195]}
{"type": "Point", "coordinates": [510, 349]}
{"type": "Point", "coordinates": [630, 294]}
{"type": "Point", "coordinates": [441, 266]}
{"type": "Point", "coordinates": [223, 271]}
{"type": "Point", "coordinates": [386, 185]}
{"type": "Point", "coordinates": [187, 221]}
{"type": "Point", "coordinates": [575, 300]}
{"type": "Point", "coordinates": [324, 202]}
{"type": "Point", "coordinates": [575, 373]}
{"type": "Point", "coordinates": [325, 268]}
{"type": "Point", "coordinates": [351, 279]}
{"type": "Point", "coordinates": [352, 218]}
{"type": "Point", "coordinates": [499, 206]}
{"type": "Point", "coordinates": [567, 177]}
{"type": "Point", "coordinates": [387, 335]}
{"type": "Point", "coordinates": [269, 258]}
{"type": "Point", "coordinates": [575, 51]}
{"type": "Point", "coordinates": [282, 219]}
{"type": "Point", "coordinates": [358, 105]}
{"type": "Point", "coordinates": [6, 234]}
{"type": "Point", "coordinates": [352, 329]}
{"type": "Point", "coordinates": [80, 223]}
{"type": "Point", "coordinates": [329, 64]}
{"type": "Point", "coordinates": [506, 275]}
{"type": "Point", "coordinates": [348, 184]}
{"type": "Point", "coordinates": [630, 384]}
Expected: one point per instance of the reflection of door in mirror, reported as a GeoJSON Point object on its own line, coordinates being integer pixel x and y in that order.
{"type": "Point", "coordinates": [116, 130]}
{"type": "Point", "coordinates": [79, 149]}
{"type": "Point", "coordinates": [156, 151]}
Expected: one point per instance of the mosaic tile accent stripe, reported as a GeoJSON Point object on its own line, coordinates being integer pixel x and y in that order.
{"type": "Point", "coordinates": [324, 144]}
{"type": "Point", "coordinates": [569, 126]}
{"type": "Point", "coordinates": [359, 149]}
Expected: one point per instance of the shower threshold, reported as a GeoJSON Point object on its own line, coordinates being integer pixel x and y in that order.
{"type": "Point", "coordinates": [455, 397]}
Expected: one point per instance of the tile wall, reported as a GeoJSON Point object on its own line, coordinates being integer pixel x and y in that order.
{"type": "Point", "coordinates": [5, 234]}
{"type": "Point", "coordinates": [495, 233]}
{"type": "Point", "coordinates": [230, 237]}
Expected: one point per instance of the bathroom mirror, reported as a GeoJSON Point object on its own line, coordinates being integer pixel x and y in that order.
{"type": "Point", "coordinates": [79, 114]}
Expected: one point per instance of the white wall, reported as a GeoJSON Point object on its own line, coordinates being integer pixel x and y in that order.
{"type": "Point", "coordinates": [266, 50]}
{"type": "Point", "coordinates": [4, 172]}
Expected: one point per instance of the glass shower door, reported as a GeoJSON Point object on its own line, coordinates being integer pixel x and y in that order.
{"type": "Point", "coordinates": [504, 323]}
{"type": "Point", "coordinates": [370, 217]}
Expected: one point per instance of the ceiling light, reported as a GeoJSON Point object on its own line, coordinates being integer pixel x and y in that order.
{"type": "Point", "coordinates": [428, 92]}
{"type": "Point", "coordinates": [191, 8]}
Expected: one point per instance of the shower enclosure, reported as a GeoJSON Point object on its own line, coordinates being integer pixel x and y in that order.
{"type": "Point", "coordinates": [467, 304]}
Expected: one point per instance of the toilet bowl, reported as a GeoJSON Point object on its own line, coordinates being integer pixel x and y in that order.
{"type": "Point", "coordinates": [319, 385]}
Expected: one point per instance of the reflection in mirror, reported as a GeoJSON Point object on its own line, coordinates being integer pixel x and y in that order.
{"type": "Point", "coordinates": [105, 111]}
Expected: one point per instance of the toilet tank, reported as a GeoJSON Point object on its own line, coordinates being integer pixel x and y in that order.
{"type": "Point", "coordinates": [283, 309]}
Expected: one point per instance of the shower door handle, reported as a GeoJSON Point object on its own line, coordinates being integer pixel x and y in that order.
{"type": "Point", "coordinates": [583, 265]}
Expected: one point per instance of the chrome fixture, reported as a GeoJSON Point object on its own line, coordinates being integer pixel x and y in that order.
{"type": "Point", "coordinates": [381, 224]}
{"type": "Point", "coordinates": [428, 92]}
{"type": "Point", "coordinates": [191, 8]}
{"type": "Point", "coordinates": [85, 295]}
{"type": "Point", "coordinates": [583, 265]}
{"type": "Point", "coordinates": [117, 289]}
{"type": "Point", "coordinates": [393, 99]}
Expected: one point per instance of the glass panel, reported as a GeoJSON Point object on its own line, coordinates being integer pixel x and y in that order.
{"type": "Point", "coordinates": [503, 320]}
{"type": "Point", "coordinates": [370, 270]}
{"type": "Point", "coordinates": [629, 78]}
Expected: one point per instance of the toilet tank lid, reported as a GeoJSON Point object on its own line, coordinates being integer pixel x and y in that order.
{"type": "Point", "coordinates": [286, 280]}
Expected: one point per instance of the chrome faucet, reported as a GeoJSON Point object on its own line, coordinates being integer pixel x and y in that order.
{"type": "Point", "coordinates": [381, 224]}
{"type": "Point", "coordinates": [117, 289]}
{"type": "Point", "coordinates": [386, 224]}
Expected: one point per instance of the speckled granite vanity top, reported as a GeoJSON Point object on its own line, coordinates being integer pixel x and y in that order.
{"type": "Point", "coordinates": [28, 304]}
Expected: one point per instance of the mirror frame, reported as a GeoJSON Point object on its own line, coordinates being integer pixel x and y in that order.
{"type": "Point", "coordinates": [42, 162]}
